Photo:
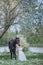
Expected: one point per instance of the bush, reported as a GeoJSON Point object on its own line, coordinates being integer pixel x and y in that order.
{"type": "Point", "coordinates": [35, 40]}
{"type": "Point", "coordinates": [5, 39]}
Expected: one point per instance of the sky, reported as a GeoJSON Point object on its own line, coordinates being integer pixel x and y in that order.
{"type": "Point", "coordinates": [14, 28]}
{"type": "Point", "coordinates": [40, 1]}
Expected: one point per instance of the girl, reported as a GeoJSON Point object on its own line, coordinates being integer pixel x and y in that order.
{"type": "Point", "coordinates": [21, 55]}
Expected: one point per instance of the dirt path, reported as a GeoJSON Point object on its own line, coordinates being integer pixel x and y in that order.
{"type": "Point", "coordinates": [32, 49]}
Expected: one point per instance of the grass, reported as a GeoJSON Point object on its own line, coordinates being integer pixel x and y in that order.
{"type": "Point", "coordinates": [28, 55]}
{"type": "Point", "coordinates": [32, 59]}
{"type": "Point", "coordinates": [29, 62]}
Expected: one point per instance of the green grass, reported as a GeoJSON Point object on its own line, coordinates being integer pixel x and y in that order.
{"type": "Point", "coordinates": [32, 59]}
{"type": "Point", "coordinates": [35, 40]}
{"type": "Point", "coordinates": [29, 62]}
{"type": "Point", "coordinates": [28, 55]}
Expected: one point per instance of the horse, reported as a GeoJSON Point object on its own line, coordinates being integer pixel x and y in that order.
{"type": "Point", "coordinates": [12, 46]}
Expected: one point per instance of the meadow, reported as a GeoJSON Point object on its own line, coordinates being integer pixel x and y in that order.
{"type": "Point", "coordinates": [32, 59]}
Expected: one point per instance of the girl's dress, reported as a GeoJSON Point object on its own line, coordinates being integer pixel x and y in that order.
{"type": "Point", "coordinates": [21, 55]}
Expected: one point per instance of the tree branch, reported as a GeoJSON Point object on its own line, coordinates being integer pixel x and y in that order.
{"type": "Point", "coordinates": [6, 28]}
{"type": "Point", "coordinates": [10, 23]}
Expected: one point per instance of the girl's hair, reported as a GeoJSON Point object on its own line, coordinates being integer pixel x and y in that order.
{"type": "Point", "coordinates": [21, 45]}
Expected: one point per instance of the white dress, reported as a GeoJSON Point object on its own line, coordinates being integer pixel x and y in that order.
{"type": "Point", "coordinates": [21, 55]}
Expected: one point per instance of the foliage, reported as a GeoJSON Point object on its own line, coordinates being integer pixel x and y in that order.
{"type": "Point", "coordinates": [35, 40]}
{"type": "Point", "coordinates": [6, 38]}
{"type": "Point", "coordinates": [30, 17]}
{"type": "Point", "coordinates": [28, 14]}
{"type": "Point", "coordinates": [8, 14]}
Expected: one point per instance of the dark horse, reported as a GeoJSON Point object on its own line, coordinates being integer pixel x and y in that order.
{"type": "Point", "coordinates": [12, 46]}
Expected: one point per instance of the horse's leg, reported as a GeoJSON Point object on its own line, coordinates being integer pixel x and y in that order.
{"type": "Point", "coordinates": [11, 55]}
{"type": "Point", "coordinates": [14, 54]}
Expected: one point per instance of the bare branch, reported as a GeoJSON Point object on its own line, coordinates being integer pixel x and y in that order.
{"type": "Point", "coordinates": [10, 19]}
{"type": "Point", "coordinates": [6, 28]}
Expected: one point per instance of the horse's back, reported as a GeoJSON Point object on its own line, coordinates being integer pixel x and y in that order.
{"type": "Point", "coordinates": [11, 42]}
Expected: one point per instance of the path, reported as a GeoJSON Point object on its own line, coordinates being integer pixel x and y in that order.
{"type": "Point", "coordinates": [31, 49]}
{"type": "Point", "coordinates": [36, 49]}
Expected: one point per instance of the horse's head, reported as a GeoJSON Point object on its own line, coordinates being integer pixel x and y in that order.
{"type": "Point", "coordinates": [17, 40]}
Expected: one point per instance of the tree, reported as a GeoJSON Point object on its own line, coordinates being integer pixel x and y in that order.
{"type": "Point", "coordinates": [29, 18]}
{"type": "Point", "coordinates": [8, 13]}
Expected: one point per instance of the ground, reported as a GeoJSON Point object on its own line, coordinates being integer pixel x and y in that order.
{"type": "Point", "coordinates": [32, 59]}
{"type": "Point", "coordinates": [29, 62]}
